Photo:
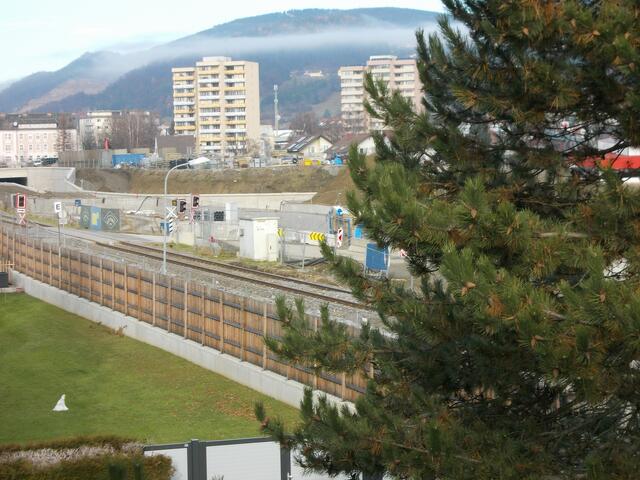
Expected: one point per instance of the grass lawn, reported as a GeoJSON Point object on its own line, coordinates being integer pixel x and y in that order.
{"type": "Point", "coordinates": [114, 385]}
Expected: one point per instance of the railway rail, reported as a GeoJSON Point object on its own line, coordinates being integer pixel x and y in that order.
{"type": "Point", "coordinates": [250, 275]}
{"type": "Point", "coordinates": [330, 294]}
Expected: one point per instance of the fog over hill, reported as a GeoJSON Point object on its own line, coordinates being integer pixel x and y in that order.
{"type": "Point", "coordinates": [283, 43]}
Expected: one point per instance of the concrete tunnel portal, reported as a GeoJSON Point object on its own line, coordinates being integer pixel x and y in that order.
{"type": "Point", "coordinates": [18, 180]}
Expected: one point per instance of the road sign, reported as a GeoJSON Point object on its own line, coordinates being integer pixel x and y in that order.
{"type": "Point", "coordinates": [63, 218]}
{"type": "Point", "coordinates": [22, 216]}
{"type": "Point", "coordinates": [171, 212]}
{"type": "Point", "coordinates": [57, 207]}
{"type": "Point", "coordinates": [77, 202]}
{"type": "Point", "coordinates": [167, 226]}
{"type": "Point", "coordinates": [316, 236]}
{"type": "Point", "coordinates": [339, 237]}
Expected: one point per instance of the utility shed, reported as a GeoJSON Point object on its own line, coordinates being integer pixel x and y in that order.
{"type": "Point", "coordinates": [259, 238]}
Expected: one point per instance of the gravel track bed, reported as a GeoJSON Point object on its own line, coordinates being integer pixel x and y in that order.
{"type": "Point", "coordinates": [339, 312]}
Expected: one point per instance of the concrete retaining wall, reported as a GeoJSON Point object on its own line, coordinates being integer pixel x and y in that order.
{"type": "Point", "coordinates": [263, 381]}
{"type": "Point", "coordinates": [154, 203]}
{"type": "Point", "coordinates": [45, 179]}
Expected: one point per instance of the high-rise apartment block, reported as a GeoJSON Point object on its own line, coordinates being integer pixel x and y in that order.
{"type": "Point", "coordinates": [218, 102]}
{"type": "Point", "coordinates": [399, 74]}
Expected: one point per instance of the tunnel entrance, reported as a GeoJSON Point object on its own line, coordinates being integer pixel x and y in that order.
{"type": "Point", "coordinates": [19, 180]}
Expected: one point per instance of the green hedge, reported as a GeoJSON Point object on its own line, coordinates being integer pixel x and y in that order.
{"type": "Point", "coordinates": [93, 468]}
{"type": "Point", "coordinates": [74, 442]}
{"type": "Point", "coordinates": [87, 468]}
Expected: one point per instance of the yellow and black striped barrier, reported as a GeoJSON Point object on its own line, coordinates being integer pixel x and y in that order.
{"type": "Point", "coordinates": [319, 236]}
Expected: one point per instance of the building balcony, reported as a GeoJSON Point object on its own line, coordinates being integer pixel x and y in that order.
{"type": "Point", "coordinates": [182, 110]}
{"type": "Point", "coordinates": [208, 97]}
{"type": "Point", "coordinates": [209, 103]}
{"type": "Point", "coordinates": [210, 114]}
{"type": "Point", "coordinates": [236, 130]}
{"type": "Point", "coordinates": [202, 79]}
{"type": "Point", "coordinates": [182, 103]}
{"type": "Point", "coordinates": [211, 148]}
{"type": "Point", "coordinates": [184, 119]}
{"type": "Point", "coordinates": [210, 121]}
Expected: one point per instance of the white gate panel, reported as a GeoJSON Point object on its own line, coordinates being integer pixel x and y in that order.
{"type": "Point", "coordinates": [255, 461]}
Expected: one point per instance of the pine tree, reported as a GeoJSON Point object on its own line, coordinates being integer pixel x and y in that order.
{"type": "Point", "coordinates": [519, 358]}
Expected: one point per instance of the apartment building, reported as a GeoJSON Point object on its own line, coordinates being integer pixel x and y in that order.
{"type": "Point", "coordinates": [399, 74]}
{"type": "Point", "coordinates": [218, 102]}
{"type": "Point", "coordinates": [95, 127]}
{"type": "Point", "coordinates": [26, 139]}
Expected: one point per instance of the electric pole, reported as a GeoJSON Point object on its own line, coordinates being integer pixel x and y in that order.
{"type": "Point", "coordinates": [275, 108]}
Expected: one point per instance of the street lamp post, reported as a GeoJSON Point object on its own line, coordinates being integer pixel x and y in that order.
{"type": "Point", "coordinates": [190, 163]}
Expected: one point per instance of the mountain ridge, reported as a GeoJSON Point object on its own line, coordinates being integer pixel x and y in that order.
{"type": "Point", "coordinates": [289, 41]}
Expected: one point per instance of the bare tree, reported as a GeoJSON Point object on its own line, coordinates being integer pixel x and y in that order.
{"type": "Point", "coordinates": [89, 141]}
{"type": "Point", "coordinates": [305, 122]}
{"type": "Point", "coordinates": [63, 139]}
{"type": "Point", "coordinates": [133, 130]}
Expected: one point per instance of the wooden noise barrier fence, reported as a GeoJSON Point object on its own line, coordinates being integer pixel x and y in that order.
{"type": "Point", "coordinates": [232, 324]}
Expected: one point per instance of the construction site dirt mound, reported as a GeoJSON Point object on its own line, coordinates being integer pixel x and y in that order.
{"type": "Point", "coordinates": [331, 183]}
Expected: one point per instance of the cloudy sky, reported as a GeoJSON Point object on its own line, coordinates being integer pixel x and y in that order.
{"type": "Point", "coordinates": [46, 35]}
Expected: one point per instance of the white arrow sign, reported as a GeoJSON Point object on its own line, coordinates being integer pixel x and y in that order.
{"type": "Point", "coordinates": [57, 207]}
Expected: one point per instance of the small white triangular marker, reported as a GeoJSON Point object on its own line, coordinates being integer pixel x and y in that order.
{"type": "Point", "coordinates": [61, 406]}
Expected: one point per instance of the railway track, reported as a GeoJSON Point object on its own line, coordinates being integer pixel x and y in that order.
{"type": "Point", "coordinates": [239, 268]}
{"type": "Point", "coordinates": [330, 294]}
{"type": "Point", "coordinates": [236, 272]}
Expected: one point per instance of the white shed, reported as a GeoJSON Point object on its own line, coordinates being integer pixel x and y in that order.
{"type": "Point", "coordinates": [259, 238]}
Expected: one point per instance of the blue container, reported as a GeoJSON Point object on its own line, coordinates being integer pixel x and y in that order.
{"type": "Point", "coordinates": [377, 259]}
{"type": "Point", "coordinates": [134, 159]}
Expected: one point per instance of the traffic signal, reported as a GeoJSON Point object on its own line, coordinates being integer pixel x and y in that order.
{"type": "Point", "coordinates": [182, 205]}
{"type": "Point", "coordinates": [21, 201]}
{"type": "Point", "coordinates": [195, 201]}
